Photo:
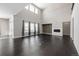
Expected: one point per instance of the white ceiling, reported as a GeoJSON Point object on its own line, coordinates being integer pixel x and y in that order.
{"type": "Point", "coordinates": [54, 5]}
{"type": "Point", "coordinates": [11, 8]}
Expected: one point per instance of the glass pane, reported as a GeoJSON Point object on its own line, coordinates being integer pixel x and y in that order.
{"type": "Point", "coordinates": [36, 10]}
{"type": "Point", "coordinates": [36, 26]}
{"type": "Point", "coordinates": [26, 28]}
{"type": "Point", "coordinates": [32, 28]}
{"type": "Point", "coordinates": [27, 7]}
{"type": "Point", "coordinates": [31, 8]}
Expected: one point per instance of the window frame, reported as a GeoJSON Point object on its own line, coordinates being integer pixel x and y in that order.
{"type": "Point", "coordinates": [28, 7]}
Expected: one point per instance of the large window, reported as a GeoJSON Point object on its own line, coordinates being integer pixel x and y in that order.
{"type": "Point", "coordinates": [32, 8]}
{"type": "Point", "coordinates": [26, 28]}
{"type": "Point", "coordinates": [32, 30]}
{"type": "Point", "coordinates": [36, 28]}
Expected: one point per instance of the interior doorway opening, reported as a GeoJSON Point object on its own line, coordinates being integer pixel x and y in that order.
{"type": "Point", "coordinates": [66, 29]}
{"type": "Point", "coordinates": [4, 28]}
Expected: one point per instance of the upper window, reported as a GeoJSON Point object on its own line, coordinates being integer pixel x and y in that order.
{"type": "Point", "coordinates": [27, 7]}
{"type": "Point", "coordinates": [36, 10]}
{"type": "Point", "coordinates": [32, 8]}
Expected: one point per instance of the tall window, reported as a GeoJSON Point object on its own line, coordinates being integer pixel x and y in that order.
{"type": "Point", "coordinates": [26, 28]}
{"type": "Point", "coordinates": [36, 27]}
{"type": "Point", "coordinates": [32, 30]}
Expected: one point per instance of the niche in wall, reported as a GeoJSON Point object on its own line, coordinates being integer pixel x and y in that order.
{"type": "Point", "coordinates": [47, 28]}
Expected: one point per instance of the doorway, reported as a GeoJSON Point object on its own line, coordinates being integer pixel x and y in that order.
{"type": "Point", "coordinates": [4, 28]}
{"type": "Point", "coordinates": [66, 29]}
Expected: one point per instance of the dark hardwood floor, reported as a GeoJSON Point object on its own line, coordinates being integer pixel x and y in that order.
{"type": "Point", "coordinates": [41, 45]}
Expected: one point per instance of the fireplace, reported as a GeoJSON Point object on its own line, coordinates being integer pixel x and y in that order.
{"type": "Point", "coordinates": [56, 30]}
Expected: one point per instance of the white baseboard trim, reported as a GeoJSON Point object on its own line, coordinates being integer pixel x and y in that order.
{"type": "Point", "coordinates": [27, 36]}
{"type": "Point", "coordinates": [76, 48]}
{"type": "Point", "coordinates": [20, 36]}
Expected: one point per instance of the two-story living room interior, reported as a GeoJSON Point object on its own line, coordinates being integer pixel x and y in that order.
{"type": "Point", "coordinates": [39, 29]}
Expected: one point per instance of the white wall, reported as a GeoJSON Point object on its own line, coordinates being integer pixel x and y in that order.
{"type": "Point", "coordinates": [27, 16]}
{"type": "Point", "coordinates": [11, 26]}
{"type": "Point", "coordinates": [57, 25]}
{"type": "Point", "coordinates": [56, 16]}
{"type": "Point", "coordinates": [72, 28]}
{"type": "Point", "coordinates": [75, 16]}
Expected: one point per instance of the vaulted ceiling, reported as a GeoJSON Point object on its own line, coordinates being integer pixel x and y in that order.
{"type": "Point", "coordinates": [53, 5]}
{"type": "Point", "coordinates": [11, 8]}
